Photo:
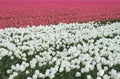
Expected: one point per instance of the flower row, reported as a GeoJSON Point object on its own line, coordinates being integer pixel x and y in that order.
{"type": "Point", "coordinates": [51, 51]}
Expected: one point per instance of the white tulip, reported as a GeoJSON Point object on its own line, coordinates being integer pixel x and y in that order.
{"type": "Point", "coordinates": [15, 74]}
{"type": "Point", "coordinates": [100, 73]}
{"type": "Point", "coordinates": [89, 77]}
{"type": "Point", "coordinates": [78, 74]}
{"type": "Point", "coordinates": [27, 72]}
{"type": "Point", "coordinates": [61, 69]}
{"type": "Point", "coordinates": [34, 76]}
{"type": "Point", "coordinates": [29, 78]}
{"type": "Point", "coordinates": [106, 77]}
{"type": "Point", "coordinates": [98, 78]}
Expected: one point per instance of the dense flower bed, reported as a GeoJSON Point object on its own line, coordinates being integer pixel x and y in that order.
{"type": "Point", "coordinates": [20, 13]}
{"type": "Point", "coordinates": [63, 51]}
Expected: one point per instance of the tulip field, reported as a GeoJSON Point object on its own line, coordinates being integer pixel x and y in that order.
{"type": "Point", "coordinates": [65, 39]}
{"type": "Point", "coordinates": [20, 13]}
{"type": "Point", "coordinates": [63, 51]}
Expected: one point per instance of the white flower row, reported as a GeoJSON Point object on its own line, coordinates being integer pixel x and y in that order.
{"type": "Point", "coordinates": [65, 46]}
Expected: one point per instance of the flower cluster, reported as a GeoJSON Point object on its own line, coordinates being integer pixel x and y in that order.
{"type": "Point", "coordinates": [48, 51]}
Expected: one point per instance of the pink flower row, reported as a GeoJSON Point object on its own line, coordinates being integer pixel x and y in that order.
{"type": "Point", "coordinates": [41, 12]}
